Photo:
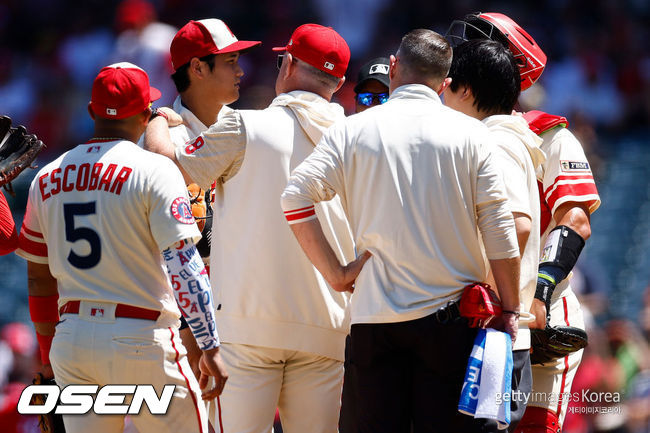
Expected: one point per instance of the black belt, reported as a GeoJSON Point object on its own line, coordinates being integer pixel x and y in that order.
{"type": "Point", "coordinates": [448, 313]}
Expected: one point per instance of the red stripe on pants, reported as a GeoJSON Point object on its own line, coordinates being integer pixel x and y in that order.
{"type": "Point", "coordinates": [191, 392]}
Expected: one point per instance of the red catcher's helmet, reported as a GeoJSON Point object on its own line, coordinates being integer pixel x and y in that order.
{"type": "Point", "coordinates": [498, 27]}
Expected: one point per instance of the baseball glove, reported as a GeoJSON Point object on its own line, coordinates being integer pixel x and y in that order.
{"type": "Point", "coordinates": [554, 342]}
{"type": "Point", "coordinates": [17, 151]}
{"type": "Point", "coordinates": [202, 211]}
{"type": "Point", "coordinates": [49, 422]}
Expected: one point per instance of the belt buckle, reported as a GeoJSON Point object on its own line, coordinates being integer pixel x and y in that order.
{"type": "Point", "coordinates": [444, 311]}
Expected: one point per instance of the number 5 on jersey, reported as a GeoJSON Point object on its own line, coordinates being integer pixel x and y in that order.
{"type": "Point", "coordinates": [74, 234]}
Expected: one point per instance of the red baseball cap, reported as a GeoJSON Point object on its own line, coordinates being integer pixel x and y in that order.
{"type": "Point", "coordinates": [134, 14]}
{"type": "Point", "coordinates": [320, 47]}
{"type": "Point", "coordinates": [121, 90]}
{"type": "Point", "coordinates": [204, 37]}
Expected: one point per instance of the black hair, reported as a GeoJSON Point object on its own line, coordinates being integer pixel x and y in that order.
{"type": "Point", "coordinates": [425, 53]}
{"type": "Point", "coordinates": [181, 77]}
{"type": "Point", "coordinates": [490, 71]}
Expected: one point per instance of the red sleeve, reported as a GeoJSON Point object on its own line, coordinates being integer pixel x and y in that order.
{"type": "Point", "coordinates": [8, 236]}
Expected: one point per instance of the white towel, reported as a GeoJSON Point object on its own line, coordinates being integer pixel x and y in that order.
{"type": "Point", "coordinates": [496, 378]}
{"type": "Point", "coordinates": [480, 397]}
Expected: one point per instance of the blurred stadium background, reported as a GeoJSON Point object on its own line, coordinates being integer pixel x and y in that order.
{"type": "Point", "coordinates": [598, 76]}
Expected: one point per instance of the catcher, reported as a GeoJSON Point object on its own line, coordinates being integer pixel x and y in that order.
{"type": "Point", "coordinates": [568, 196]}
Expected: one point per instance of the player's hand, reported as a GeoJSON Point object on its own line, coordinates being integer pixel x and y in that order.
{"type": "Point", "coordinates": [538, 308]}
{"type": "Point", "coordinates": [508, 323]}
{"type": "Point", "coordinates": [211, 364]}
{"type": "Point", "coordinates": [47, 372]}
{"type": "Point", "coordinates": [193, 351]}
{"type": "Point", "coordinates": [349, 273]}
{"type": "Point", "coordinates": [173, 118]}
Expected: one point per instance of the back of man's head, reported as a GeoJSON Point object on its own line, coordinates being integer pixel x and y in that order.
{"type": "Point", "coordinates": [320, 56]}
{"type": "Point", "coordinates": [489, 70]}
{"type": "Point", "coordinates": [425, 56]}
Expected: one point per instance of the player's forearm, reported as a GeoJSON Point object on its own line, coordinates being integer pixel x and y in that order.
{"type": "Point", "coordinates": [43, 306]}
{"type": "Point", "coordinates": [506, 276]}
{"type": "Point", "coordinates": [193, 293]}
{"type": "Point", "coordinates": [576, 216]}
{"type": "Point", "coordinates": [523, 227]}
{"type": "Point", "coordinates": [311, 238]}
{"type": "Point", "coordinates": [158, 140]}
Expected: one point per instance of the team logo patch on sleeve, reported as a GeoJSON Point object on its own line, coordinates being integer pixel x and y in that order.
{"type": "Point", "coordinates": [182, 211]}
{"type": "Point", "coordinates": [575, 166]}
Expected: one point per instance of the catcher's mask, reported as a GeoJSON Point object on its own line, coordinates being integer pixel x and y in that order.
{"type": "Point", "coordinates": [498, 27]}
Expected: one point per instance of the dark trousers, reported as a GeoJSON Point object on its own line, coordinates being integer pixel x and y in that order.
{"type": "Point", "coordinates": [409, 376]}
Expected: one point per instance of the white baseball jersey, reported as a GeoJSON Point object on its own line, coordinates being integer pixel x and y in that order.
{"type": "Point", "coordinates": [100, 215]}
{"type": "Point", "coordinates": [517, 154]}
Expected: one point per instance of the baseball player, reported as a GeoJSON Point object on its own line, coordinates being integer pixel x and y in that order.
{"type": "Point", "coordinates": [372, 84]}
{"type": "Point", "coordinates": [410, 173]}
{"type": "Point", "coordinates": [205, 57]}
{"type": "Point", "coordinates": [283, 327]}
{"type": "Point", "coordinates": [8, 236]}
{"type": "Point", "coordinates": [568, 196]}
{"type": "Point", "coordinates": [485, 84]}
{"type": "Point", "coordinates": [97, 220]}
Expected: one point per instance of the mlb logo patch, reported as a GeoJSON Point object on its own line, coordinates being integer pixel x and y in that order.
{"type": "Point", "coordinates": [379, 69]}
{"type": "Point", "coordinates": [97, 312]}
{"type": "Point", "coordinates": [182, 211]}
{"type": "Point", "coordinates": [329, 66]}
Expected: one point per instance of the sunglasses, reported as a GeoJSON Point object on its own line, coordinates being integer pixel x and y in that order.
{"type": "Point", "coordinates": [280, 60]}
{"type": "Point", "coordinates": [367, 98]}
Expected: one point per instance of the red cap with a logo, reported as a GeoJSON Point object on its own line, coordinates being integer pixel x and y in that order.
{"type": "Point", "coordinates": [321, 47]}
{"type": "Point", "coordinates": [204, 37]}
{"type": "Point", "coordinates": [121, 90]}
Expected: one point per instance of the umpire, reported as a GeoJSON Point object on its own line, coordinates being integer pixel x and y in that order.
{"type": "Point", "coordinates": [420, 189]}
